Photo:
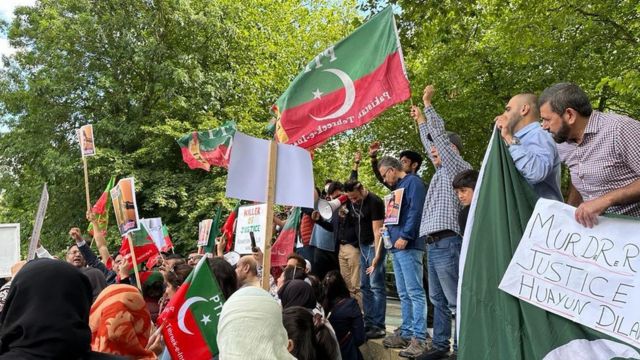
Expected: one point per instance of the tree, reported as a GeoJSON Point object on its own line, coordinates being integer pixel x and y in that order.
{"type": "Point", "coordinates": [143, 73]}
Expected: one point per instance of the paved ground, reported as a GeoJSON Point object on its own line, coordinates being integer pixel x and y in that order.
{"type": "Point", "coordinates": [393, 317]}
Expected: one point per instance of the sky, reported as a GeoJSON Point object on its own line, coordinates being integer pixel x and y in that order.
{"type": "Point", "coordinates": [6, 14]}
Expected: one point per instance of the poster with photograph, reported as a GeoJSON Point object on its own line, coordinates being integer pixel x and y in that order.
{"type": "Point", "coordinates": [392, 204]}
{"type": "Point", "coordinates": [251, 218]}
{"type": "Point", "coordinates": [204, 228]}
{"type": "Point", "coordinates": [87, 146]}
{"type": "Point", "coordinates": [123, 198]}
{"type": "Point", "coordinates": [9, 248]}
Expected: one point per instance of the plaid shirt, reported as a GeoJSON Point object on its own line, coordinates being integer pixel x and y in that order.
{"type": "Point", "coordinates": [441, 206]}
{"type": "Point", "coordinates": [607, 159]}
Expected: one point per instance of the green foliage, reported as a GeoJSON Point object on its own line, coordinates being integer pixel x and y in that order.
{"type": "Point", "coordinates": [480, 53]}
{"type": "Point", "coordinates": [146, 72]}
{"type": "Point", "coordinates": [143, 73]}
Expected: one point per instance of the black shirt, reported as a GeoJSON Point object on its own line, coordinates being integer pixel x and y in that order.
{"type": "Point", "coordinates": [361, 216]}
{"type": "Point", "coordinates": [462, 218]}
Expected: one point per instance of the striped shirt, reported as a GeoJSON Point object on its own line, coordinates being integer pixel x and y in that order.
{"type": "Point", "coordinates": [441, 206]}
{"type": "Point", "coordinates": [607, 159]}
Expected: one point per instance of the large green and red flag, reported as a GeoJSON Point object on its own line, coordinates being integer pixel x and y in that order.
{"type": "Point", "coordinates": [496, 325]}
{"type": "Point", "coordinates": [201, 149]}
{"type": "Point", "coordinates": [345, 86]}
{"type": "Point", "coordinates": [287, 239]}
{"type": "Point", "coordinates": [101, 210]}
{"type": "Point", "coordinates": [190, 320]}
{"type": "Point", "coordinates": [143, 244]}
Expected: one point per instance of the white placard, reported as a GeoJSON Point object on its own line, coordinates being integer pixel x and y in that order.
{"type": "Point", "coordinates": [589, 276]}
{"type": "Point", "coordinates": [247, 178]}
{"type": "Point", "coordinates": [9, 248]}
{"type": "Point", "coordinates": [251, 218]}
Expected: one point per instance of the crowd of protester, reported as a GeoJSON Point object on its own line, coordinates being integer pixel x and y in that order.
{"type": "Point", "coordinates": [331, 296]}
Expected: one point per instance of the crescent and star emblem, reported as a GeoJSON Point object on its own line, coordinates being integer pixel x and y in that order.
{"type": "Point", "coordinates": [349, 97]}
{"type": "Point", "coordinates": [183, 311]}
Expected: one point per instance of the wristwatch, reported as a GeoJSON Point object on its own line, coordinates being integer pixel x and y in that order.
{"type": "Point", "coordinates": [514, 141]}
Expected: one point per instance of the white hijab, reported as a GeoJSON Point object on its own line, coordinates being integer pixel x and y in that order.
{"type": "Point", "coordinates": [251, 327]}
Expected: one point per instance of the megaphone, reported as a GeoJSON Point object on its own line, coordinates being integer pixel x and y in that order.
{"type": "Point", "coordinates": [326, 208]}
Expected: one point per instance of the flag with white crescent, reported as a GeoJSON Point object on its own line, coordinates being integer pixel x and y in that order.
{"type": "Point", "coordinates": [345, 86]}
{"type": "Point", "coordinates": [190, 320]}
{"type": "Point", "coordinates": [491, 323]}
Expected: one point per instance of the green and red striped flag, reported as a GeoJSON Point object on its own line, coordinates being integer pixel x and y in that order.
{"type": "Point", "coordinates": [101, 210]}
{"type": "Point", "coordinates": [492, 323]}
{"type": "Point", "coordinates": [287, 239]}
{"type": "Point", "coordinates": [166, 244]}
{"type": "Point", "coordinates": [345, 86]}
{"type": "Point", "coordinates": [191, 317]}
{"type": "Point", "coordinates": [143, 244]}
{"type": "Point", "coordinates": [201, 149]}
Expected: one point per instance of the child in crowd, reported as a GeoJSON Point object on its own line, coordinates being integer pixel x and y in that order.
{"type": "Point", "coordinates": [464, 184]}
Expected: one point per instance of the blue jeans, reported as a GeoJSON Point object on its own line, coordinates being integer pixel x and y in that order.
{"type": "Point", "coordinates": [444, 257]}
{"type": "Point", "coordinates": [407, 266]}
{"type": "Point", "coordinates": [374, 294]}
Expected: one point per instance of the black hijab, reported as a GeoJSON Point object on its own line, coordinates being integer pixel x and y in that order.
{"type": "Point", "coordinates": [96, 279]}
{"type": "Point", "coordinates": [297, 293]}
{"type": "Point", "coordinates": [46, 315]}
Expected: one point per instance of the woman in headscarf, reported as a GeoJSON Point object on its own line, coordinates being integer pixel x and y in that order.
{"type": "Point", "coordinates": [46, 315]}
{"type": "Point", "coordinates": [300, 293]}
{"type": "Point", "coordinates": [297, 293]}
{"type": "Point", "coordinates": [251, 327]}
{"type": "Point", "coordinates": [120, 323]}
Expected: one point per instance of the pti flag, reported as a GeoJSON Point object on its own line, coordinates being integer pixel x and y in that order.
{"type": "Point", "coordinates": [190, 320]}
{"type": "Point", "coordinates": [202, 149]}
{"type": "Point", "coordinates": [143, 244]}
{"type": "Point", "coordinates": [101, 210]}
{"type": "Point", "coordinates": [492, 323]}
{"type": "Point", "coordinates": [345, 86]}
{"type": "Point", "coordinates": [287, 238]}
{"type": "Point", "coordinates": [166, 243]}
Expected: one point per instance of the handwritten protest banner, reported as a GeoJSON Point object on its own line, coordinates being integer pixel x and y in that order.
{"type": "Point", "coordinates": [586, 275]}
{"type": "Point", "coordinates": [251, 218]}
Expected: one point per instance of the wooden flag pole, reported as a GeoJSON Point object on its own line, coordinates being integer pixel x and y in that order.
{"type": "Point", "coordinates": [86, 189]}
{"type": "Point", "coordinates": [271, 194]}
{"type": "Point", "coordinates": [86, 182]}
{"type": "Point", "coordinates": [134, 260]}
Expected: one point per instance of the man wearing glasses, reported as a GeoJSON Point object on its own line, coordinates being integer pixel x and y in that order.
{"type": "Point", "coordinates": [408, 252]}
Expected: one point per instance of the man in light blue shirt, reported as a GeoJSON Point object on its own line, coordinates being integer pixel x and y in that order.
{"type": "Point", "coordinates": [532, 148]}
